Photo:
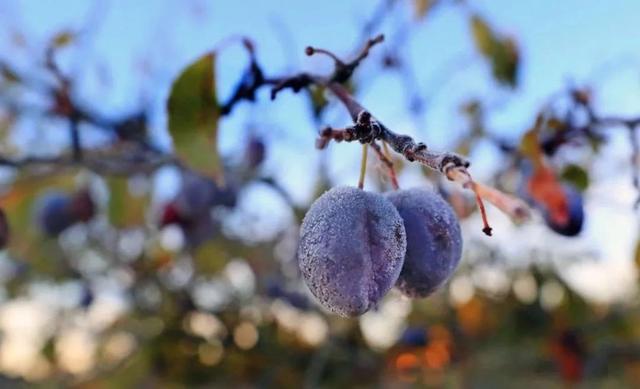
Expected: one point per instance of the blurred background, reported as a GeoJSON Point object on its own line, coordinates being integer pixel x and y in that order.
{"type": "Point", "coordinates": [123, 266]}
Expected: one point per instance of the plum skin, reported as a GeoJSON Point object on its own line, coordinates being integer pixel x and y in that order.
{"type": "Point", "coordinates": [4, 230]}
{"type": "Point", "coordinates": [434, 241]}
{"type": "Point", "coordinates": [351, 249]}
{"type": "Point", "coordinates": [191, 207]}
{"type": "Point", "coordinates": [54, 213]}
{"type": "Point", "coordinates": [58, 211]}
{"type": "Point", "coordinates": [576, 214]}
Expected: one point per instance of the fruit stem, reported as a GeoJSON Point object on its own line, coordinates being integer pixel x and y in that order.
{"type": "Point", "coordinates": [512, 206]}
{"type": "Point", "coordinates": [462, 176]}
{"type": "Point", "coordinates": [363, 165]}
{"type": "Point", "coordinates": [486, 227]}
{"type": "Point", "coordinates": [392, 170]}
{"type": "Point", "coordinates": [386, 161]}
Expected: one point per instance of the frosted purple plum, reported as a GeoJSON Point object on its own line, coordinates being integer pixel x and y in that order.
{"type": "Point", "coordinates": [434, 241]}
{"type": "Point", "coordinates": [352, 247]}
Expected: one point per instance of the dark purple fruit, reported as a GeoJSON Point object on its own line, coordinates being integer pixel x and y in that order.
{"type": "Point", "coordinates": [195, 196]}
{"type": "Point", "coordinates": [414, 337]}
{"type": "Point", "coordinates": [58, 211]}
{"type": "Point", "coordinates": [197, 229]}
{"type": "Point", "coordinates": [573, 226]}
{"type": "Point", "coordinates": [87, 297]}
{"type": "Point", "coordinates": [199, 194]}
{"type": "Point", "coordinates": [352, 246]}
{"type": "Point", "coordinates": [54, 213]}
{"type": "Point", "coordinates": [191, 209]}
{"type": "Point", "coordinates": [226, 196]}
{"type": "Point", "coordinates": [255, 152]}
{"type": "Point", "coordinates": [82, 206]}
{"type": "Point", "coordinates": [434, 241]}
{"type": "Point", "coordinates": [4, 230]}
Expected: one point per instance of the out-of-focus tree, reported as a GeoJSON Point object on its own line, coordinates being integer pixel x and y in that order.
{"type": "Point", "coordinates": [109, 281]}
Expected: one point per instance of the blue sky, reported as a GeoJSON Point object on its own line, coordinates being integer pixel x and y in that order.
{"type": "Point", "coordinates": [132, 50]}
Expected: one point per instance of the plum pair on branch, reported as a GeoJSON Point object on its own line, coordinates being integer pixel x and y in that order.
{"type": "Point", "coordinates": [368, 130]}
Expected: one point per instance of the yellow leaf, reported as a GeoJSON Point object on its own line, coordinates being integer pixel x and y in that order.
{"type": "Point", "coordinates": [482, 35]}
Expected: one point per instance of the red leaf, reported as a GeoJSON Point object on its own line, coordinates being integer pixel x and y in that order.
{"type": "Point", "coordinates": [547, 191]}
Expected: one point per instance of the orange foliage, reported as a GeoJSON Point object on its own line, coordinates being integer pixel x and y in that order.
{"type": "Point", "coordinates": [546, 190]}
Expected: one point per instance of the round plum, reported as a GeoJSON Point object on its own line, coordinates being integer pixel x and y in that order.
{"type": "Point", "coordinates": [352, 246]}
{"type": "Point", "coordinates": [199, 194]}
{"type": "Point", "coordinates": [434, 241]}
{"type": "Point", "coordinates": [255, 152]}
{"type": "Point", "coordinates": [414, 337]}
{"type": "Point", "coordinates": [576, 214]}
{"type": "Point", "coordinates": [194, 197]}
{"type": "Point", "coordinates": [55, 213]}
{"type": "Point", "coordinates": [197, 229]}
{"type": "Point", "coordinates": [82, 206]}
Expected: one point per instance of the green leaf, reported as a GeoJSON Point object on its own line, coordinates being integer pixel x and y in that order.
{"type": "Point", "coordinates": [125, 209]}
{"type": "Point", "coordinates": [576, 175]}
{"type": "Point", "coordinates": [210, 257]}
{"type": "Point", "coordinates": [501, 52]}
{"type": "Point", "coordinates": [504, 61]}
{"type": "Point", "coordinates": [193, 117]}
{"type": "Point", "coordinates": [483, 37]}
